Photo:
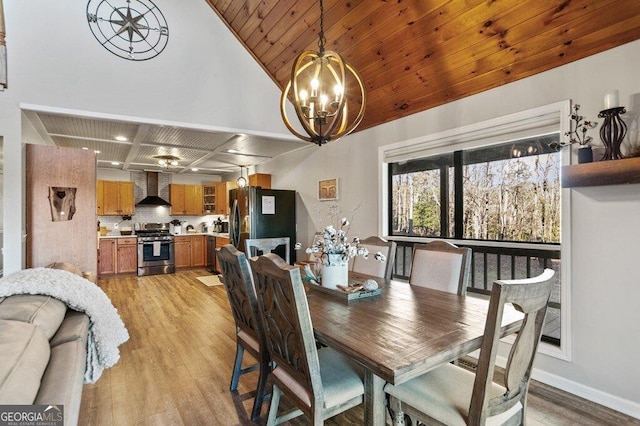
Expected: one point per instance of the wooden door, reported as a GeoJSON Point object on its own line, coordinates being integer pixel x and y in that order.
{"type": "Point", "coordinates": [107, 261]}
{"type": "Point", "coordinates": [176, 198]}
{"type": "Point", "coordinates": [127, 255]}
{"type": "Point", "coordinates": [111, 198]}
{"type": "Point", "coordinates": [126, 198]}
{"type": "Point", "coordinates": [198, 250]}
{"type": "Point", "coordinates": [99, 197]}
{"type": "Point", "coordinates": [182, 251]}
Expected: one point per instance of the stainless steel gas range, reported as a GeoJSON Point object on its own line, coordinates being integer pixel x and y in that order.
{"type": "Point", "coordinates": [155, 249]}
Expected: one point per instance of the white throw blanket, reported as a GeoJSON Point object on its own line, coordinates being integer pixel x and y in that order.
{"type": "Point", "coordinates": [106, 329]}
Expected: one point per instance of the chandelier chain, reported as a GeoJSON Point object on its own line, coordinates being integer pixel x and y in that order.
{"type": "Point", "coordinates": [321, 39]}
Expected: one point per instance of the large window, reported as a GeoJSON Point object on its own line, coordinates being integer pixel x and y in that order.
{"type": "Point", "coordinates": [504, 192]}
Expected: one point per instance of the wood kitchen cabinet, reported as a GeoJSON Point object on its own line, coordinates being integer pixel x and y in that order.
{"type": "Point", "coordinates": [114, 198]}
{"type": "Point", "coordinates": [262, 180]}
{"type": "Point", "coordinates": [190, 251]}
{"type": "Point", "coordinates": [209, 199]}
{"type": "Point", "coordinates": [107, 260]}
{"type": "Point", "coordinates": [127, 259]}
{"type": "Point", "coordinates": [220, 241]}
{"type": "Point", "coordinates": [182, 251]}
{"type": "Point", "coordinates": [186, 200]}
{"type": "Point", "coordinates": [118, 256]}
{"type": "Point", "coordinates": [222, 197]}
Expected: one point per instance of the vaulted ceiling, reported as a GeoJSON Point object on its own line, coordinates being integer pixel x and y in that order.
{"type": "Point", "coordinates": [416, 55]}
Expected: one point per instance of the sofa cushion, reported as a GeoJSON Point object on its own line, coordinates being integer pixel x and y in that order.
{"type": "Point", "coordinates": [74, 327]}
{"type": "Point", "coordinates": [62, 381]}
{"type": "Point", "coordinates": [43, 311]}
{"type": "Point", "coordinates": [24, 355]}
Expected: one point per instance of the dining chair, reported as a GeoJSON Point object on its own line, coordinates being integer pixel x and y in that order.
{"type": "Point", "coordinates": [320, 382]}
{"type": "Point", "coordinates": [238, 283]}
{"type": "Point", "coordinates": [257, 246]}
{"type": "Point", "coordinates": [453, 395]}
{"type": "Point", "coordinates": [441, 265]}
{"type": "Point", "coordinates": [370, 265]}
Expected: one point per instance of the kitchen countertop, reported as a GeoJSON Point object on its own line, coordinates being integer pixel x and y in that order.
{"type": "Point", "coordinates": [215, 234]}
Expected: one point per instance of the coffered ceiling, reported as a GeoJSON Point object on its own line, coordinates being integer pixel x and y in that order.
{"type": "Point", "coordinates": [417, 54]}
{"type": "Point", "coordinates": [210, 152]}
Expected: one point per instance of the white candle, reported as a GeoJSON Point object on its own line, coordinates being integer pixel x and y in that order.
{"type": "Point", "coordinates": [611, 100]}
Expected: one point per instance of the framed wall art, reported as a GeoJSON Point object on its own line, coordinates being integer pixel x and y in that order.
{"type": "Point", "coordinates": [328, 189]}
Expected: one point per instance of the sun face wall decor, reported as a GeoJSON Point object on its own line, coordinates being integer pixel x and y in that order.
{"type": "Point", "coordinates": [131, 29]}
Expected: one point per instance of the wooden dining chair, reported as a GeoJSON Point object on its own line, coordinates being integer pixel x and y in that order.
{"type": "Point", "coordinates": [258, 246]}
{"type": "Point", "coordinates": [452, 395]}
{"type": "Point", "coordinates": [442, 266]}
{"type": "Point", "coordinates": [320, 382]}
{"type": "Point", "coordinates": [370, 265]}
{"type": "Point", "coordinates": [238, 283]}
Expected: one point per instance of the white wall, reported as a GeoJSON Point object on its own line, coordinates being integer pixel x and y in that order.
{"type": "Point", "coordinates": [203, 76]}
{"type": "Point", "coordinates": [605, 220]}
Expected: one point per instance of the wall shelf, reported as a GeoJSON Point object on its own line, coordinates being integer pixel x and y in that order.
{"type": "Point", "coordinates": [599, 173]}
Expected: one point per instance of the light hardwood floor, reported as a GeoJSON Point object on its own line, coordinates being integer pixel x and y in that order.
{"type": "Point", "coordinates": [175, 368]}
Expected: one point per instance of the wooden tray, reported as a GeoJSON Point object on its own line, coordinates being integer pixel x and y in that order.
{"type": "Point", "coordinates": [343, 295]}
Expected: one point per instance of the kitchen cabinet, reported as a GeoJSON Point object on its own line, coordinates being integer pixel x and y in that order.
{"type": "Point", "coordinates": [127, 258]}
{"type": "Point", "coordinates": [190, 251]}
{"type": "Point", "coordinates": [220, 241]}
{"type": "Point", "coordinates": [114, 198]}
{"type": "Point", "coordinates": [209, 198]}
{"type": "Point", "coordinates": [182, 251]}
{"type": "Point", "coordinates": [262, 180]}
{"type": "Point", "coordinates": [222, 197]}
{"type": "Point", "coordinates": [118, 256]}
{"type": "Point", "coordinates": [186, 200]}
{"type": "Point", "coordinates": [107, 260]}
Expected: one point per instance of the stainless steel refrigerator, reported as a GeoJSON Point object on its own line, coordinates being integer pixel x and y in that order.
{"type": "Point", "coordinates": [262, 213]}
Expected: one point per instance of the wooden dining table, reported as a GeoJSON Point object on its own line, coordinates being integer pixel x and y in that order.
{"type": "Point", "coordinates": [401, 333]}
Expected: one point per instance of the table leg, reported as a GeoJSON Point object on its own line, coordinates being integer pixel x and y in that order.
{"type": "Point", "coordinates": [374, 400]}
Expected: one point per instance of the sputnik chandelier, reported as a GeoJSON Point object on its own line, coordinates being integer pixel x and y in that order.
{"type": "Point", "coordinates": [320, 94]}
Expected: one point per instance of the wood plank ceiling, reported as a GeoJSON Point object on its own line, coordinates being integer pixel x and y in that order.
{"type": "Point", "coordinates": [416, 55]}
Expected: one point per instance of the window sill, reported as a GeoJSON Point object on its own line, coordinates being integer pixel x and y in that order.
{"type": "Point", "coordinates": [613, 172]}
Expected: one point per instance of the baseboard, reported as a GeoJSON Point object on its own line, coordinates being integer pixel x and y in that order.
{"type": "Point", "coordinates": [630, 408]}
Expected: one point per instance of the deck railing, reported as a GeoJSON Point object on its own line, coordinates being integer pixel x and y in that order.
{"type": "Point", "coordinates": [494, 262]}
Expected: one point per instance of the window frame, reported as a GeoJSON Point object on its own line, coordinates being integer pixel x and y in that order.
{"type": "Point", "coordinates": [528, 123]}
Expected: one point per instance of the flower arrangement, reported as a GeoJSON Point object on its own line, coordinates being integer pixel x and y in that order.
{"type": "Point", "coordinates": [336, 242]}
{"type": "Point", "coordinates": [579, 127]}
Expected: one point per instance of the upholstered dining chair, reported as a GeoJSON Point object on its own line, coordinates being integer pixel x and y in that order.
{"type": "Point", "coordinates": [370, 266]}
{"type": "Point", "coordinates": [257, 246]}
{"type": "Point", "coordinates": [452, 395]}
{"type": "Point", "coordinates": [320, 382]}
{"type": "Point", "coordinates": [238, 283]}
{"type": "Point", "coordinates": [442, 266]}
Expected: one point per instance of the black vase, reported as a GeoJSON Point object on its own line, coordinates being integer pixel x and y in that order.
{"type": "Point", "coordinates": [585, 155]}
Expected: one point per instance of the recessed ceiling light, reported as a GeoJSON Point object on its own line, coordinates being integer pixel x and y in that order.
{"type": "Point", "coordinates": [233, 151]}
{"type": "Point", "coordinates": [115, 163]}
{"type": "Point", "coordinates": [85, 148]}
{"type": "Point", "coordinates": [96, 151]}
{"type": "Point", "coordinates": [194, 169]}
{"type": "Point", "coordinates": [121, 138]}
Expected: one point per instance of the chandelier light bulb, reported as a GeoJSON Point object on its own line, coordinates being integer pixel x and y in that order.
{"type": "Point", "coordinates": [303, 97]}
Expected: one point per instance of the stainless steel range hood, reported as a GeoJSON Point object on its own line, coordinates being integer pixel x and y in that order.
{"type": "Point", "coordinates": [152, 198]}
